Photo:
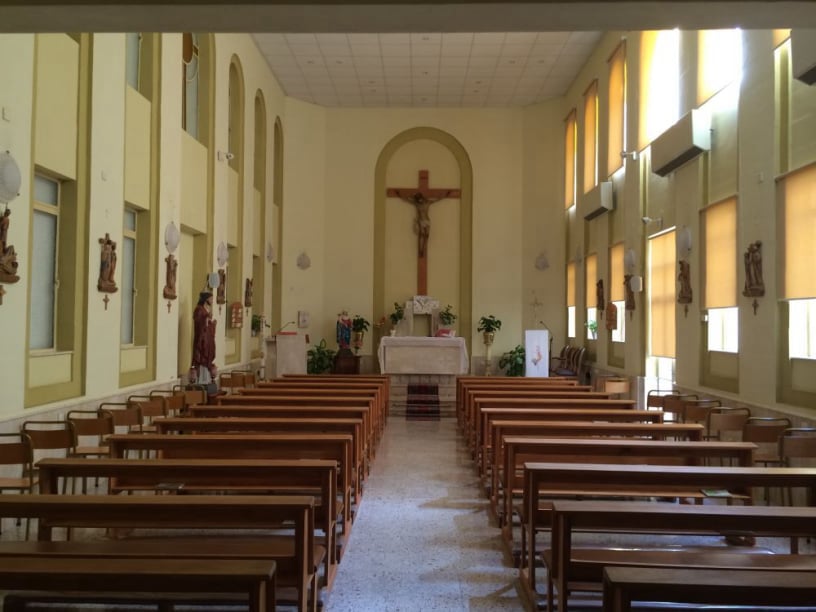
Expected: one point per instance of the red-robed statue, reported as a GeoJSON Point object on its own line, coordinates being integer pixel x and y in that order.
{"type": "Point", "coordinates": [203, 338]}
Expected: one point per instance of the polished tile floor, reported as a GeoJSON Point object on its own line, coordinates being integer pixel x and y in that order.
{"type": "Point", "coordinates": [423, 539]}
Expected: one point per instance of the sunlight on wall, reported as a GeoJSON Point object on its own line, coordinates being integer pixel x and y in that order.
{"type": "Point", "coordinates": [660, 83]}
{"type": "Point", "coordinates": [719, 61]}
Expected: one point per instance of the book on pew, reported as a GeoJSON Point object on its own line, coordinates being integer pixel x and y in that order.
{"type": "Point", "coordinates": [716, 492]}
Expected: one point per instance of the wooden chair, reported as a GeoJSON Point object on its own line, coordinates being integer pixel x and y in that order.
{"type": "Point", "coordinates": [51, 439]}
{"type": "Point", "coordinates": [697, 410]}
{"type": "Point", "coordinates": [570, 362]}
{"type": "Point", "coordinates": [765, 433]}
{"type": "Point", "coordinates": [127, 417]}
{"type": "Point", "coordinates": [674, 405]}
{"type": "Point", "coordinates": [175, 402]}
{"type": "Point", "coordinates": [797, 448]}
{"type": "Point", "coordinates": [17, 457]}
{"type": "Point", "coordinates": [91, 429]}
{"type": "Point", "coordinates": [194, 395]}
{"type": "Point", "coordinates": [726, 424]}
{"type": "Point", "coordinates": [151, 407]}
{"type": "Point", "coordinates": [654, 398]}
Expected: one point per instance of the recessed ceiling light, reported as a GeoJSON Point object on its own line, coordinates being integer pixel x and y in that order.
{"type": "Point", "coordinates": [426, 37]}
{"type": "Point", "coordinates": [338, 61]}
{"type": "Point", "coordinates": [310, 61]}
{"type": "Point", "coordinates": [478, 82]}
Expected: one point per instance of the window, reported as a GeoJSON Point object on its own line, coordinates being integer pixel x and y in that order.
{"type": "Point", "coordinates": [191, 71]}
{"type": "Point", "coordinates": [802, 329]}
{"type": "Point", "coordinates": [616, 290]}
{"type": "Point", "coordinates": [662, 289]}
{"type": "Point", "coordinates": [133, 52]}
{"type": "Point", "coordinates": [799, 210]}
{"type": "Point", "coordinates": [44, 270]}
{"type": "Point", "coordinates": [591, 310]}
{"type": "Point", "coordinates": [571, 299]}
{"type": "Point", "coordinates": [659, 84]}
{"type": "Point", "coordinates": [128, 289]}
{"type": "Point", "coordinates": [720, 222]}
{"type": "Point", "coordinates": [591, 137]}
{"type": "Point", "coordinates": [570, 138]}
{"type": "Point", "coordinates": [617, 110]}
{"type": "Point", "coordinates": [719, 61]}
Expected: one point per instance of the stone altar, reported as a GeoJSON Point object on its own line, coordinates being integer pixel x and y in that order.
{"type": "Point", "coordinates": [421, 355]}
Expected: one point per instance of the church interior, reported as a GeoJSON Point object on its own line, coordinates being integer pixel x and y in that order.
{"type": "Point", "coordinates": [638, 180]}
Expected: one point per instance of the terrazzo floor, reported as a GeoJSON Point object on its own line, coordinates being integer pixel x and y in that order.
{"type": "Point", "coordinates": [422, 539]}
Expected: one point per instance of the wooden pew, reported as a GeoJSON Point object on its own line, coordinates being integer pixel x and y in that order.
{"type": "Point", "coordinates": [492, 452]}
{"type": "Point", "coordinates": [253, 407]}
{"type": "Point", "coordinates": [316, 397]}
{"type": "Point", "coordinates": [465, 381]}
{"type": "Point", "coordinates": [200, 468]}
{"type": "Point", "coordinates": [508, 482]}
{"type": "Point", "coordinates": [227, 425]}
{"type": "Point", "coordinates": [135, 581]}
{"type": "Point", "coordinates": [551, 389]}
{"type": "Point", "coordinates": [604, 415]}
{"type": "Point", "coordinates": [482, 395]}
{"type": "Point", "coordinates": [375, 389]}
{"type": "Point", "coordinates": [754, 589]}
{"type": "Point", "coordinates": [292, 553]}
{"type": "Point", "coordinates": [574, 479]}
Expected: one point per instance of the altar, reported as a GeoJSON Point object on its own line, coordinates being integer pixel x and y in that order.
{"type": "Point", "coordinates": [423, 355]}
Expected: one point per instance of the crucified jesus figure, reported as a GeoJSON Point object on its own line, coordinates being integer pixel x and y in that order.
{"type": "Point", "coordinates": [422, 223]}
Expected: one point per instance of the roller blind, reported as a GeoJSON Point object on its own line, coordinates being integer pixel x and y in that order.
{"type": "Point", "coordinates": [591, 137]}
{"type": "Point", "coordinates": [571, 284]}
{"type": "Point", "coordinates": [662, 295]}
{"type": "Point", "coordinates": [591, 279]}
{"type": "Point", "coordinates": [569, 159]}
{"type": "Point", "coordinates": [617, 109]}
{"type": "Point", "coordinates": [616, 293]}
{"type": "Point", "coordinates": [721, 254]}
{"type": "Point", "coordinates": [799, 207]}
{"type": "Point", "coordinates": [659, 103]}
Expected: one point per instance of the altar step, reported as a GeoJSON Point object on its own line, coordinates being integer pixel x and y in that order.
{"type": "Point", "coordinates": [441, 385]}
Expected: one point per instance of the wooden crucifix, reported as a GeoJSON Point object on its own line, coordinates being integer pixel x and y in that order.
{"type": "Point", "coordinates": [422, 197]}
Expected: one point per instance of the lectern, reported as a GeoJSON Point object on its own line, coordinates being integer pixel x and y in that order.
{"type": "Point", "coordinates": [285, 354]}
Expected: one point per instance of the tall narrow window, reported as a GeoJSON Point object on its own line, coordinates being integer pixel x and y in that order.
{"type": "Point", "coordinates": [799, 210]}
{"type": "Point", "coordinates": [133, 58]}
{"type": "Point", "coordinates": [591, 137]}
{"type": "Point", "coordinates": [571, 299]}
{"type": "Point", "coordinates": [720, 222]}
{"type": "Point", "coordinates": [662, 291]}
{"type": "Point", "coordinates": [591, 310]}
{"type": "Point", "coordinates": [659, 84]}
{"type": "Point", "coordinates": [617, 295]}
{"type": "Point", "coordinates": [617, 110]}
{"type": "Point", "coordinates": [128, 288]}
{"type": "Point", "coordinates": [44, 266]}
{"type": "Point", "coordinates": [570, 137]}
{"type": "Point", "coordinates": [719, 61]}
{"type": "Point", "coordinates": [191, 64]}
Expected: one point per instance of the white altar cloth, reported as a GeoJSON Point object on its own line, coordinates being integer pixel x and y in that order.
{"type": "Point", "coordinates": [422, 355]}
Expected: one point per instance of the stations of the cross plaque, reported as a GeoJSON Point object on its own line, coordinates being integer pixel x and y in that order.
{"type": "Point", "coordinates": [422, 197]}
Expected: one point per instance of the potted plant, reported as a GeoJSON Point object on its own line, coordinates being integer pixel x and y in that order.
{"type": "Point", "coordinates": [396, 316]}
{"type": "Point", "coordinates": [359, 325]}
{"type": "Point", "coordinates": [319, 358]}
{"type": "Point", "coordinates": [489, 325]}
{"type": "Point", "coordinates": [447, 317]}
{"type": "Point", "coordinates": [513, 361]}
{"type": "Point", "coordinates": [592, 326]}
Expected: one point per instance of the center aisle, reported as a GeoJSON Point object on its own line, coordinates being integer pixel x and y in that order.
{"type": "Point", "coordinates": [422, 539]}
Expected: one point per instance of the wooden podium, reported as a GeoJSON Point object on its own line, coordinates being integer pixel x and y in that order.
{"type": "Point", "coordinates": [346, 362]}
{"type": "Point", "coordinates": [285, 354]}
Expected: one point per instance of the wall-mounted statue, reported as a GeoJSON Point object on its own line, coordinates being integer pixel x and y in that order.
{"type": "Point", "coordinates": [170, 277]}
{"type": "Point", "coordinates": [600, 302]}
{"type": "Point", "coordinates": [8, 256]}
{"type": "Point", "coordinates": [629, 295]}
{"type": "Point", "coordinates": [684, 296]}
{"type": "Point", "coordinates": [248, 293]}
{"type": "Point", "coordinates": [107, 266]}
{"type": "Point", "coordinates": [221, 291]}
{"type": "Point", "coordinates": [754, 284]}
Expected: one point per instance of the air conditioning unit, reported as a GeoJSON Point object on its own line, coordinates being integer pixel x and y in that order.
{"type": "Point", "coordinates": [596, 201]}
{"type": "Point", "coordinates": [682, 142]}
{"type": "Point", "coordinates": [803, 55]}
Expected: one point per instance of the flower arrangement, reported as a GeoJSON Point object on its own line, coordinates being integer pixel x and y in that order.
{"type": "Point", "coordinates": [398, 314]}
{"type": "Point", "coordinates": [359, 324]}
{"type": "Point", "coordinates": [446, 316]}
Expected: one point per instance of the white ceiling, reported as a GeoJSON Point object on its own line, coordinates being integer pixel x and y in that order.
{"type": "Point", "coordinates": [432, 69]}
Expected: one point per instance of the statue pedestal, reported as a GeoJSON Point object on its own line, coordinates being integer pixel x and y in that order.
{"type": "Point", "coordinates": [285, 354]}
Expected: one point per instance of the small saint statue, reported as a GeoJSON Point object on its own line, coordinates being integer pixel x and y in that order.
{"type": "Point", "coordinates": [684, 296]}
{"type": "Point", "coordinates": [170, 277]}
{"type": "Point", "coordinates": [754, 284]}
{"type": "Point", "coordinates": [107, 266]}
{"type": "Point", "coordinates": [8, 256]}
{"type": "Point", "coordinates": [248, 293]}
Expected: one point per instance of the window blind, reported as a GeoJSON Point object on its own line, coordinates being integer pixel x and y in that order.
{"type": "Point", "coordinates": [571, 284]}
{"type": "Point", "coordinates": [591, 279]}
{"type": "Point", "coordinates": [591, 137]}
{"type": "Point", "coordinates": [720, 222]}
{"type": "Point", "coordinates": [799, 206]}
{"type": "Point", "coordinates": [617, 109]}
{"type": "Point", "coordinates": [616, 292]}
{"type": "Point", "coordinates": [662, 295]}
{"type": "Point", "coordinates": [569, 160]}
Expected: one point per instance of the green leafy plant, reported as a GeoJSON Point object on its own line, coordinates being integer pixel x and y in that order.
{"type": "Point", "coordinates": [446, 316]}
{"type": "Point", "coordinates": [359, 324]}
{"type": "Point", "coordinates": [592, 326]}
{"type": "Point", "coordinates": [398, 314]}
{"type": "Point", "coordinates": [489, 324]}
{"type": "Point", "coordinates": [513, 361]}
{"type": "Point", "coordinates": [257, 324]}
{"type": "Point", "coordinates": [319, 358]}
